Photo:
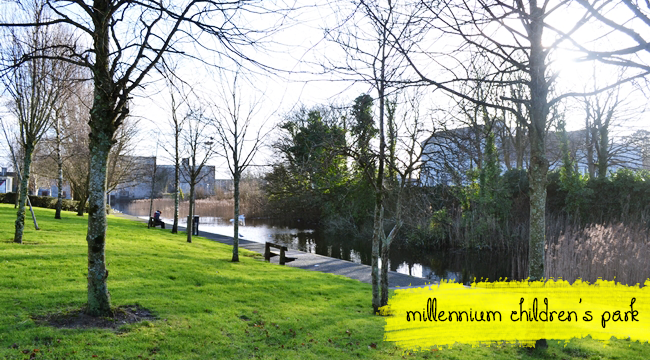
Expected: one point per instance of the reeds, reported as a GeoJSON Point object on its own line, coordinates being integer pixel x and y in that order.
{"type": "Point", "coordinates": [616, 251]}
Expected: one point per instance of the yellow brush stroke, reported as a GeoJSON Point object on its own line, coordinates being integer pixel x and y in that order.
{"type": "Point", "coordinates": [601, 298]}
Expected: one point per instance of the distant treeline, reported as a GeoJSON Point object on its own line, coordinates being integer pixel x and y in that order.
{"type": "Point", "coordinates": [492, 215]}
{"type": "Point", "coordinates": [321, 177]}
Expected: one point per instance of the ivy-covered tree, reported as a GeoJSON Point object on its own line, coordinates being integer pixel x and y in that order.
{"type": "Point", "coordinates": [313, 166]}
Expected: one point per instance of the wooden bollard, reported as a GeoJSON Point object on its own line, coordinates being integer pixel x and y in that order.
{"type": "Point", "coordinates": [267, 252]}
{"type": "Point", "coordinates": [282, 257]}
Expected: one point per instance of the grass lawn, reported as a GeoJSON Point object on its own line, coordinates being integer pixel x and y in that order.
{"type": "Point", "coordinates": [206, 306]}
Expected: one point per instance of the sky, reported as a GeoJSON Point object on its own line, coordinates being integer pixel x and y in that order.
{"type": "Point", "coordinates": [293, 55]}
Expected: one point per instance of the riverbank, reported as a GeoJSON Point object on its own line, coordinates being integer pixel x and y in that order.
{"type": "Point", "coordinates": [308, 261]}
{"type": "Point", "coordinates": [205, 306]}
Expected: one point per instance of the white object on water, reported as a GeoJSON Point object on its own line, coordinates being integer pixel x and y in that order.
{"type": "Point", "coordinates": [242, 220]}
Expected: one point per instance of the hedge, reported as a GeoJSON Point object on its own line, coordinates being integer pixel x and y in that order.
{"type": "Point", "coordinates": [41, 201]}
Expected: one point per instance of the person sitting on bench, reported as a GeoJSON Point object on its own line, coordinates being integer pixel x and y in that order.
{"type": "Point", "coordinates": [156, 219]}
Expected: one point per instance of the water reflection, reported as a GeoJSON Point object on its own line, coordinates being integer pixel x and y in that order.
{"type": "Point", "coordinates": [460, 266]}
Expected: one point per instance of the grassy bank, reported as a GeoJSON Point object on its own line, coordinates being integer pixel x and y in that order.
{"type": "Point", "coordinates": [206, 306]}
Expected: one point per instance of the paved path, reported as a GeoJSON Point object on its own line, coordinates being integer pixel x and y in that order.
{"type": "Point", "coordinates": [309, 261]}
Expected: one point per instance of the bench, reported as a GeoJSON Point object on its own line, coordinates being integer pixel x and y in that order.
{"type": "Point", "coordinates": [283, 258]}
{"type": "Point", "coordinates": [154, 223]}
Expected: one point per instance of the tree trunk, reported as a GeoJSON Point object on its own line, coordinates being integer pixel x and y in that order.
{"type": "Point", "coordinates": [538, 167]}
{"type": "Point", "coordinates": [176, 184]}
{"type": "Point", "coordinates": [59, 163]}
{"type": "Point", "coordinates": [153, 184]}
{"type": "Point", "coordinates": [590, 149]}
{"type": "Point", "coordinates": [377, 228]}
{"type": "Point", "coordinates": [235, 244]}
{"type": "Point", "coordinates": [519, 147]}
{"type": "Point", "coordinates": [392, 140]}
{"type": "Point", "coordinates": [385, 246]}
{"type": "Point", "coordinates": [99, 301]}
{"type": "Point", "coordinates": [190, 216]}
{"type": "Point", "coordinates": [24, 181]}
{"type": "Point", "coordinates": [603, 153]}
{"type": "Point", "coordinates": [82, 207]}
{"type": "Point", "coordinates": [384, 272]}
{"type": "Point", "coordinates": [379, 201]}
{"type": "Point", "coordinates": [17, 197]}
{"type": "Point", "coordinates": [84, 197]}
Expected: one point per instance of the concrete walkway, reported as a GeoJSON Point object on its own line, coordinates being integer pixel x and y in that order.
{"type": "Point", "coordinates": [309, 261]}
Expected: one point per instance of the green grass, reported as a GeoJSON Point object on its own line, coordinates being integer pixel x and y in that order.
{"type": "Point", "coordinates": [200, 299]}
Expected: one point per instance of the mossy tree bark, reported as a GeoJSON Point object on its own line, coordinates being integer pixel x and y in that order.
{"type": "Point", "coordinates": [99, 301]}
{"type": "Point", "coordinates": [22, 198]}
{"type": "Point", "coordinates": [538, 169]}
{"type": "Point", "coordinates": [59, 163]}
{"type": "Point", "coordinates": [106, 115]}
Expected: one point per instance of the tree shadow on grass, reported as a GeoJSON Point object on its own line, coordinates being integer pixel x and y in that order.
{"type": "Point", "coordinates": [25, 242]}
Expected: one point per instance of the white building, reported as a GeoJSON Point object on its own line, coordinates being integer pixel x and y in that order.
{"type": "Point", "coordinates": [6, 181]}
{"type": "Point", "coordinates": [449, 155]}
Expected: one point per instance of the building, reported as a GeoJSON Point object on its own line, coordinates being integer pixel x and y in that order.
{"type": "Point", "coordinates": [138, 185]}
{"type": "Point", "coordinates": [448, 156]}
{"type": "Point", "coordinates": [136, 182]}
{"type": "Point", "coordinates": [53, 190]}
{"type": "Point", "coordinates": [6, 181]}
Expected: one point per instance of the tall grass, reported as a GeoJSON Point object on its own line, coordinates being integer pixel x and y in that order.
{"type": "Point", "coordinates": [612, 251]}
{"type": "Point", "coordinates": [252, 204]}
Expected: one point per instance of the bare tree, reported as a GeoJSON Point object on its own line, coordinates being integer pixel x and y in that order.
{"type": "Point", "coordinates": [604, 113]}
{"type": "Point", "coordinates": [154, 170]}
{"type": "Point", "coordinates": [632, 25]}
{"type": "Point", "coordinates": [178, 99]}
{"type": "Point", "coordinates": [34, 88]}
{"type": "Point", "coordinates": [75, 144]}
{"type": "Point", "coordinates": [199, 146]}
{"type": "Point", "coordinates": [120, 42]}
{"type": "Point", "coordinates": [59, 162]}
{"type": "Point", "coordinates": [238, 138]}
{"type": "Point", "coordinates": [365, 37]}
{"type": "Point", "coordinates": [122, 164]}
{"type": "Point", "coordinates": [178, 124]}
{"type": "Point", "coordinates": [17, 171]}
{"type": "Point", "coordinates": [409, 133]}
{"type": "Point", "coordinates": [511, 34]}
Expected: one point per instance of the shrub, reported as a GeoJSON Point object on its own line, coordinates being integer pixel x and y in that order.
{"type": "Point", "coordinates": [41, 201]}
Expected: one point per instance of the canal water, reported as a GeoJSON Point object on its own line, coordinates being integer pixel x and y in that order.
{"type": "Point", "coordinates": [458, 265]}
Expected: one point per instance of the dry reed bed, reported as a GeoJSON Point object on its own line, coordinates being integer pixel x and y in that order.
{"type": "Point", "coordinates": [613, 251]}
